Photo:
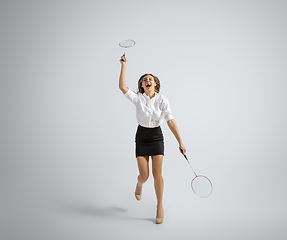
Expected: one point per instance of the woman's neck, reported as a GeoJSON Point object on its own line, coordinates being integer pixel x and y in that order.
{"type": "Point", "coordinates": [150, 94]}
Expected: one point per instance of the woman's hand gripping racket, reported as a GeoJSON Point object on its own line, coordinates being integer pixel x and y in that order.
{"type": "Point", "coordinates": [201, 185]}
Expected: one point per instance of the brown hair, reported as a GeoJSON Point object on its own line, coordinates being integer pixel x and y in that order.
{"type": "Point", "coordinates": [156, 88]}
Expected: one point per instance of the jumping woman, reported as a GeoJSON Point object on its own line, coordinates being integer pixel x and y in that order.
{"type": "Point", "coordinates": [151, 109]}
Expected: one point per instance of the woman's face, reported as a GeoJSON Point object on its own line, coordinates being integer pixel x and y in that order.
{"type": "Point", "coordinates": [148, 83]}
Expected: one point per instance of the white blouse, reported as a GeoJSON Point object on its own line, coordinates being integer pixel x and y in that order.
{"type": "Point", "coordinates": [150, 111]}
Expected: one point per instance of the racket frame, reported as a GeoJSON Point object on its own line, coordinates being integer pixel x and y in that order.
{"type": "Point", "coordinates": [196, 176]}
{"type": "Point", "coordinates": [123, 46]}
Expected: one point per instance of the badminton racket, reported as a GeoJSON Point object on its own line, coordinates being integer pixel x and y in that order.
{"type": "Point", "coordinates": [200, 184]}
{"type": "Point", "coordinates": [127, 44]}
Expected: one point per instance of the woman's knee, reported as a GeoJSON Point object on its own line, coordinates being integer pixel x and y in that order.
{"type": "Point", "coordinates": [156, 174]}
{"type": "Point", "coordinates": [157, 166]}
{"type": "Point", "coordinates": [144, 176]}
{"type": "Point", "coordinates": [143, 168]}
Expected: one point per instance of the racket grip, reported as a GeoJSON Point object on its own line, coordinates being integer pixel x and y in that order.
{"type": "Point", "coordinates": [123, 56]}
{"type": "Point", "coordinates": [182, 152]}
{"type": "Point", "coordinates": [184, 155]}
{"type": "Point", "coordinates": [123, 59]}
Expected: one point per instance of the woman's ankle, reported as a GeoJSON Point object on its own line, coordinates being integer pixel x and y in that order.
{"type": "Point", "coordinates": [159, 205]}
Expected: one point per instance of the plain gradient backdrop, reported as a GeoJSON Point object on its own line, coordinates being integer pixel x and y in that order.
{"type": "Point", "coordinates": [67, 167]}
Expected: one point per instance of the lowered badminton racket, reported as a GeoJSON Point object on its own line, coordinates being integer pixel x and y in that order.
{"type": "Point", "coordinates": [201, 185]}
{"type": "Point", "coordinates": [127, 44]}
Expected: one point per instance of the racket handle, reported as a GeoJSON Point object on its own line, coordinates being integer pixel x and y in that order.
{"type": "Point", "coordinates": [123, 56]}
{"type": "Point", "coordinates": [188, 162]}
{"type": "Point", "coordinates": [184, 155]}
{"type": "Point", "coordinates": [182, 152]}
{"type": "Point", "coordinates": [186, 158]}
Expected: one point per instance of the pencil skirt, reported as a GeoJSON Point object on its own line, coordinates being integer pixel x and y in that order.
{"type": "Point", "coordinates": [149, 141]}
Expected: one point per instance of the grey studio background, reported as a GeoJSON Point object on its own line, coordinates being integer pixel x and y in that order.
{"type": "Point", "coordinates": [67, 168]}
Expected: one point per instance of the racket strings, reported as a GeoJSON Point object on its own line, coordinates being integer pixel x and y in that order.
{"type": "Point", "coordinates": [127, 43]}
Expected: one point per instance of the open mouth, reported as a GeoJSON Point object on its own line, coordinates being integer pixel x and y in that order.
{"type": "Point", "coordinates": [148, 86]}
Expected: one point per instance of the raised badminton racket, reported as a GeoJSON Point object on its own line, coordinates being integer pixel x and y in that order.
{"type": "Point", "coordinates": [201, 185]}
{"type": "Point", "coordinates": [127, 44]}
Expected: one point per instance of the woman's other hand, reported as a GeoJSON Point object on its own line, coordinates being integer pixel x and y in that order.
{"type": "Point", "coordinates": [182, 149]}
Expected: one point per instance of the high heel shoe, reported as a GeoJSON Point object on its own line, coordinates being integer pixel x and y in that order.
{"type": "Point", "coordinates": [159, 220]}
{"type": "Point", "coordinates": [138, 196]}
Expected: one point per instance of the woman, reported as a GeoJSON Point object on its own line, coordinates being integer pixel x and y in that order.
{"type": "Point", "coordinates": [151, 108]}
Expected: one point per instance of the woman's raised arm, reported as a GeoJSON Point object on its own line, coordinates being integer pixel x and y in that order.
{"type": "Point", "coordinates": [122, 80]}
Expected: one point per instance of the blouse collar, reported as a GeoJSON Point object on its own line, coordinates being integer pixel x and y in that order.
{"type": "Point", "coordinates": [146, 96]}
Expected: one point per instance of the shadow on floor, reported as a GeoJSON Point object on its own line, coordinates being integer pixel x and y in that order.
{"type": "Point", "coordinates": [107, 212]}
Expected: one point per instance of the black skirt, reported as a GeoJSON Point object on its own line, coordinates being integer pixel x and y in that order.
{"type": "Point", "coordinates": [149, 141]}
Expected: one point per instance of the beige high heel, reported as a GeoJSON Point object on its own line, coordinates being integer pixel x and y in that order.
{"type": "Point", "coordinates": [159, 220]}
{"type": "Point", "coordinates": [138, 196]}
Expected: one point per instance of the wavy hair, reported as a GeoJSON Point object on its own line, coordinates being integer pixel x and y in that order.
{"type": "Point", "coordinates": [156, 88]}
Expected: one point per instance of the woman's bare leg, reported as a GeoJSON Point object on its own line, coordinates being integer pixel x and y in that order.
{"type": "Point", "coordinates": [143, 173]}
{"type": "Point", "coordinates": [158, 182]}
